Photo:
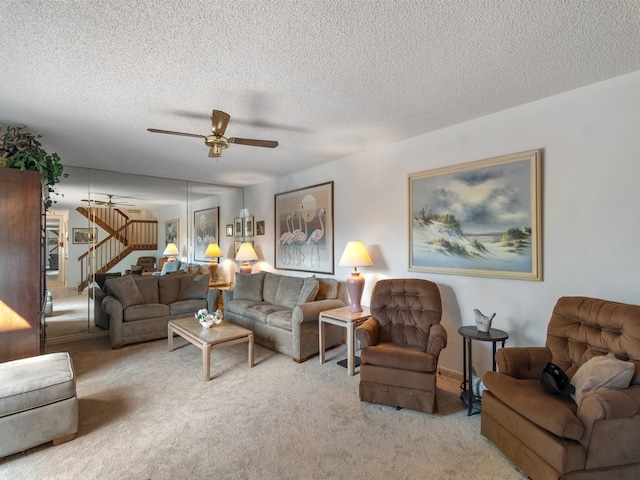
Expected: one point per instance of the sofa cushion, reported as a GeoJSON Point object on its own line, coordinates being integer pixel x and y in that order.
{"type": "Point", "coordinates": [239, 307]}
{"type": "Point", "coordinates": [148, 287]}
{"type": "Point", "coordinates": [309, 290]}
{"type": "Point", "coordinates": [260, 312]}
{"type": "Point", "coordinates": [187, 307]}
{"type": "Point", "coordinates": [525, 396]}
{"type": "Point", "coordinates": [270, 289]}
{"type": "Point", "coordinates": [281, 319]}
{"type": "Point", "coordinates": [145, 311]}
{"type": "Point", "coordinates": [193, 287]}
{"type": "Point", "coordinates": [125, 290]}
{"type": "Point", "coordinates": [249, 286]}
{"type": "Point", "coordinates": [603, 372]}
{"type": "Point", "coordinates": [327, 289]}
{"type": "Point", "coordinates": [169, 288]}
{"type": "Point", "coordinates": [289, 291]}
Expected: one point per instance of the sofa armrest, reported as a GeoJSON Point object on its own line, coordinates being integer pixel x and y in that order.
{"type": "Point", "coordinates": [523, 362]}
{"type": "Point", "coordinates": [310, 311]}
{"type": "Point", "coordinates": [367, 333]}
{"type": "Point", "coordinates": [213, 294]}
{"type": "Point", "coordinates": [227, 295]}
{"type": "Point", "coordinates": [113, 307]}
{"type": "Point", "coordinates": [437, 340]}
{"type": "Point", "coordinates": [611, 414]}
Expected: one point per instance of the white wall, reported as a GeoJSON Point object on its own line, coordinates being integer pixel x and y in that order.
{"type": "Point", "coordinates": [590, 139]}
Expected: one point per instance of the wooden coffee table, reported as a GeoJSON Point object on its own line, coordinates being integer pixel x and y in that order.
{"type": "Point", "coordinates": [207, 339]}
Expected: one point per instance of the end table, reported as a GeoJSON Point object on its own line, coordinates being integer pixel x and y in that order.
{"type": "Point", "coordinates": [469, 334]}
{"type": "Point", "coordinates": [342, 317]}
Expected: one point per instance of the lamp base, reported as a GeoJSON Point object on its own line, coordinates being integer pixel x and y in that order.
{"type": "Point", "coordinates": [245, 268]}
{"type": "Point", "coordinates": [213, 268]}
{"type": "Point", "coordinates": [355, 287]}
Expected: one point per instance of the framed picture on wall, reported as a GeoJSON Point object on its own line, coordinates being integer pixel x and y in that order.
{"type": "Point", "coordinates": [171, 233]}
{"type": "Point", "coordinates": [85, 235]}
{"type": "Point", "coordinates": [205, 225]}
{"type": "Point", "coordinates": [260, 227]}
{"type": "Point", "coordinates": [229, 230]}
{"type": "Point", "coordinates": [237, 227]}
{"type": "Point", "coordinates": [248, 226]}
{"type": "Point", "coordinates": [304, 229]}
{"type": "Point", "coordinates": [481, 218]}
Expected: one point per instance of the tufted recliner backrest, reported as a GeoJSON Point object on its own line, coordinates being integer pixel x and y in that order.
{"type": "Point", "coordinates": [406, 309]}
{"type": "Point", "coordinates": [582, 327]}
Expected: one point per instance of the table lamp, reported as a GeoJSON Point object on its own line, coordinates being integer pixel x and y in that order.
{"type": "Point", "coordinates": [246, 253]}
{"type": "Point", "coordinates": [355, 255]}
{"type": "Point", "coordinates": [171, 251]}
{"type": "Point", "coordinates": [213, 251]}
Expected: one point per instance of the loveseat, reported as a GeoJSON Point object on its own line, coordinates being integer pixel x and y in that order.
{"type": "Point", "coordinates": [592, 434]}
{"type": "Point", "coordinates": [140, 307]}
{"type": "Point", "coordinates": [282, 311]}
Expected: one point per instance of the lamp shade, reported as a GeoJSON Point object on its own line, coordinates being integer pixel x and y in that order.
{"type": "Point", "coordinates": [171, 249]}
{"type": "Point", "coordinates": [246, 253]}
{"type": "Point", "coordinates": [213, 251]}
{"type": "Point", "coordinates": [355, 255]}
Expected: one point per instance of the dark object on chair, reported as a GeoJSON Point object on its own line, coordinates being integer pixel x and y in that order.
{"type": "Point", "coordinates": [401, 343]}
{"type": "Point", "coordinates": [550, 436]}
{"type": "Point", "coordinates": [555, 381]}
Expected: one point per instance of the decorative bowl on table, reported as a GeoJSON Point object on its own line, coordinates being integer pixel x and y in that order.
{"type": "Point", "coordinates": [208, 320]}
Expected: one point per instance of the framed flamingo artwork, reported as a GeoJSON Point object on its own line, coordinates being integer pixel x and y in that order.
{"type": "Point", "coordinates": [304, 229]}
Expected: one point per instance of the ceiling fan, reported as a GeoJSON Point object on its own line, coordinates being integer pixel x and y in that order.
{"type": "Point", "coordinates": [106, 203]}
{"type": "Point", "coordinates": [217, 141]}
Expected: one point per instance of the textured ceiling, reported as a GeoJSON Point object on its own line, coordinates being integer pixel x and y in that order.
{"type": "Point", "coordinates": [327, 79]}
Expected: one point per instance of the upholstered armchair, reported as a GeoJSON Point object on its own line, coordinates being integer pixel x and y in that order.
{"type": "Point", "coordinates": [144, 264]}
{"type": "Point", "coordinates": [401, 343]}
{"type": "Point", "coordinates": [596, 432]}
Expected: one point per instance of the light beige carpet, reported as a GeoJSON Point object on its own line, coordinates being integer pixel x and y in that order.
{"type": "Point", "coordinates": [145, 413]}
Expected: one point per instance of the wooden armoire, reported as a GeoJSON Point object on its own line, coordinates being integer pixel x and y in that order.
{"type": "Point", "coordinates": [22, 272]}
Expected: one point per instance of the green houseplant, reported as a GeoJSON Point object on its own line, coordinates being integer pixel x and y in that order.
{"type": "Point", "coordinates": [21, 149]}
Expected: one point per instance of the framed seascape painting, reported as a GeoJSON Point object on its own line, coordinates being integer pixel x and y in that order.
{"type": "Point", "coordinates": [481, 218]}
{"type": "Point", "coordinates": [171, 231]}
{"type": "Point", "coordinates": [205, 224]}
{"type": "Point", "coordinates": [304, 229]}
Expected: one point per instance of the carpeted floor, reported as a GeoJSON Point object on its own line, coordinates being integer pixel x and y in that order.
{"type": "Point", "coordinates": [145, 413]}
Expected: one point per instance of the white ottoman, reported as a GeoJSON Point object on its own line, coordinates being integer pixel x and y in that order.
{"type": "Point", "coordinates": [38, 402]}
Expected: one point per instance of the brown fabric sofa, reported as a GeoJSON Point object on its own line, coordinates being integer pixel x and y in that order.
{"type": "Point", "coordinates": [550, 436]}
{"type": "Point", "coordinates": [140, 307]}
{"type": "Point", "coordinates": [401, 343]}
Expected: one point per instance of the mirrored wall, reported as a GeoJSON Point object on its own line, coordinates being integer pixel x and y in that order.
{"type": "Point", "coordinates": [103, 222]}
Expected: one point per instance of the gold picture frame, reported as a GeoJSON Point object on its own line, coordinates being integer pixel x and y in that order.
{"type": "Point", "coordinates": [482, 218]}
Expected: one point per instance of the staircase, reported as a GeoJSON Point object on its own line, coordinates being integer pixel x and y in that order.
{"type": "Point", "coordinates": [124, 236]}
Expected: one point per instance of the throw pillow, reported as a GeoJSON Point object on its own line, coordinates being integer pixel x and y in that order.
{"type": "Point", "coordinates": [310, 288]}
{"type": "Point", "coordinates": [289, 291]}
{"type": "Point", "coordinates": [169, 267]}
{"type": "Point", "coordinates": [193, 287]}
{"type": "Point", "coordinates": [125, 290]}
{"type": "Point", "coordinates": [169, 288]}
{"type": "Point", "coordinates": [327, 289]}
{"type": "Point", "coordinates": [249, 286]}
{"type": "Point", "coordinates": [602, 372]}
{"type": "Point", "coordinates": [271, 282]}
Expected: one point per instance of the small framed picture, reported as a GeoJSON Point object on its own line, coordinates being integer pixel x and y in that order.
{"type": "Point", "coordinates": [248, 226]}
{"type": "Point", "coordinates": [85, 235]}
{"type": "Point", "coordinates": [237, 227]}
{"type": "Point", "coordinates": [229, 230]}
{"type": "Point", "coordinates": [260, 227]}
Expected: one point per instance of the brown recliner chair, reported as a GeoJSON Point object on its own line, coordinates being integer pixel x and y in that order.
{"type": "Point", "coordinates": [550, 436]}
{"type": "Point", "coordinates": [401, 343]}
{"type": "Point", "coordinates": [144, 264]}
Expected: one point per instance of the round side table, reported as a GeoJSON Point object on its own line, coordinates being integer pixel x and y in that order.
{"type": "Point", "coordinates": [469, 334]}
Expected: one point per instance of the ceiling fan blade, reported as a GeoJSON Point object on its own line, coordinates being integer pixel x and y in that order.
{"type": "Point", "coordinates": [219, 122]}
{"type": "Point", "coordinates": [254, 143]}
{"type": "Point", "coordinates": [169, 132]}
